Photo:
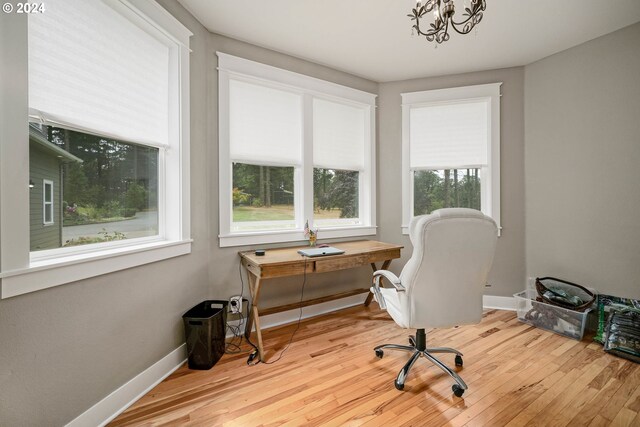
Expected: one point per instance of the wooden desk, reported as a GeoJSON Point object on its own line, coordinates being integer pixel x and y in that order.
{"type": "Point", "coordinates": [288, 262]}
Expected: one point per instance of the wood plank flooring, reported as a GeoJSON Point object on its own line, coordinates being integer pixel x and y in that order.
{"type": "Point", "coordinates": [517, 376]}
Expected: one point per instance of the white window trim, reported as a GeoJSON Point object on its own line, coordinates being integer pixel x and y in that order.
{"type": "Point", "coordinates": [490, 200]}
{"type": "Point", "coordinates": [21, 271]}
{"type": "Point", "coordinates": [46, 204]}
{"type": "Point", "coordinates": [243, 69]}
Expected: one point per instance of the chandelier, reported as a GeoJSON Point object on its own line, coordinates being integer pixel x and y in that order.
{"type": "Point", "coordinates": [443, 11]}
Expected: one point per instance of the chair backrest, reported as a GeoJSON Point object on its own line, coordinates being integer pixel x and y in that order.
{"type": "Point", "coordinates": [452, 254]}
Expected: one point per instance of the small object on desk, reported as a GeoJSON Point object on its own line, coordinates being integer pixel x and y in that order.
{"type": "Point", "coordinates": [329, 250]}
{"type": "Point", "coordinates": [324, 245]}
{"type": "Point", "coordinates": [310, 234]}
{"type": "Point", "coordinates": [260, 252]}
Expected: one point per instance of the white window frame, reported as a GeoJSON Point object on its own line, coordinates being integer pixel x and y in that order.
{"type": "Point", "coordinates": [22, 271]}
{"type": "Point", "coordinates": [490, 176]}
{"type": "Point", "coordinates": [46, 204]}
{"type": "Point", "coordinates": [232, 67]}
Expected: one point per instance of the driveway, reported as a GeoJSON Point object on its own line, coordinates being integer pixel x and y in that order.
{"type": "Point", "coordinates": [141, 225]}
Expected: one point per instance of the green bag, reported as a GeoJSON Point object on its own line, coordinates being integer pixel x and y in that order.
{"type": "Point", "coordinates": [622, 336]}
{"type": "Point", "coordinates": [607, 303]}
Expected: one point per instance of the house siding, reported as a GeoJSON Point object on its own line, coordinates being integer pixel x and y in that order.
{"type": "Point", "coordinates": [44, 166]}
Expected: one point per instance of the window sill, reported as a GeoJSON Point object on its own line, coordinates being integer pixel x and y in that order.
{"type": "Point", "coordinates": [54, 272]}
{"type": "Point", "coordinates": [265, 237]}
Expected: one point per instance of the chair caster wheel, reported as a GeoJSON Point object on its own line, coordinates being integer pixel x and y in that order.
{"type": "Point", "coordinates": [379, 354]}
{"type": "Point", "coordinates": [458, 360]}
{"type": "Point", "coordinates": [398, 385]}
{"type": "Point", "coordinates": [457, 390]}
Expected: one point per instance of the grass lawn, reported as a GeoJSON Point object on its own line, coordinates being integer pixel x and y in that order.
{"type": "Point", "coordinates": [275, 213]}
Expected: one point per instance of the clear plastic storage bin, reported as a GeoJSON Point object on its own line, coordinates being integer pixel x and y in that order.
{"type": "Point", "coordinates": [560, 320]}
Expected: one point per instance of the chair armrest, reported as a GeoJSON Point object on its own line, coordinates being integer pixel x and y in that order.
{"type": "Point", "coordinates": [392, 278]}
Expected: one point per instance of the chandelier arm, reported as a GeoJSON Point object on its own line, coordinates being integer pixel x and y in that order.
{"type": "Point", "coordinates": [454, 25]}
{"type": "Point", "coordinates": [477, 13]}
{"type": "Point", "coordinates": [429, 6]}
{"type": "Point", "coordinates": [443, 36]}
{"type": "Point", "coordinates": [428, 33]}
{"type": "Point", "coordinates": [465, 21]}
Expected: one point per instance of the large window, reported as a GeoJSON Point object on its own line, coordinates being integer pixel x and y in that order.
{"type": "Point", "coordinates": [105, 84]}
{"type": "Point", "coordinates": [292, 149]}
{"type": "Point", "coordinates": [451, 150]}
{"type": "Point", "coordinates": [109, 193]}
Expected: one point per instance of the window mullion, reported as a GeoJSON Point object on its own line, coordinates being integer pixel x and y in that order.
{"type": "Point", "coordinates": [305, 208]}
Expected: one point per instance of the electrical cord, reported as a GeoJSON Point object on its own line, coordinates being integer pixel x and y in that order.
{"type": "Point", "coordinates": [254, 352]}
{"type": "Point", "coordinates": [235, 343]}
{"type": "Point", "coordinates": [304, 281]}
{"type": "Point", "coordinates": [233, 346]}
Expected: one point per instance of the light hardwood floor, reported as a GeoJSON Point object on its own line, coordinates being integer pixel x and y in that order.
{"type": "Point", "coordinates": [517, 376]}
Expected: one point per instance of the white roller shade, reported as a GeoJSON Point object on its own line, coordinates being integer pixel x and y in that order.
{"type": "Point", "coordinates": [265, 124]}
{"type": "Point", "coordinates": [338, 135]}
{"type": "Point", "coordinates": [449, 135]}
{"type": "Point", "coordinates": [91, 69]}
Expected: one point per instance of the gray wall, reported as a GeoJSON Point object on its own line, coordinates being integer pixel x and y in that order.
{"type": "Point", "coordinates": [64, 349]}
{"type": "Point", "coordinates": [582, 154]}
{"type": "Point", "coordinates": [508, 272]}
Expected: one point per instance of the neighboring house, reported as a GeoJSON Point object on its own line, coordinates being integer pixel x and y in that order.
{"type": "Point", "coordinates": [46, 162]}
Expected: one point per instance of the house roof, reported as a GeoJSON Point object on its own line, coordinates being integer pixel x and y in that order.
{"type": "Point", "coordinates": [37, 138]}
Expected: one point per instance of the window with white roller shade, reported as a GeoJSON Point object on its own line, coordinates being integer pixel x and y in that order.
{"type": "Point", "coordinates": [91, 69]}
{"type": "Point", "coordinates": [451, 150]}
{"type": "Point", "coordinates": [265, 124]}
{"type": "Point", "coordinates": [449, 135]}
{"type": "Point", "coordinates": [293, 150]}
{"type": "Point", "coordinates": [338, 135]}
{"type": "Point", "coordinates": [106, 87]}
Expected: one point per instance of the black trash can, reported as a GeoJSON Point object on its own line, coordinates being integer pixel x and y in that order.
{"type": "Point", "coordinates": [204, 330]}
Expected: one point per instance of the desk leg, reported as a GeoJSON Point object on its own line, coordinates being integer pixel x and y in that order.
{"type": "Point", "coordinates": [254, 288]}
{"type": "Point", "coordinates": [385, 265]}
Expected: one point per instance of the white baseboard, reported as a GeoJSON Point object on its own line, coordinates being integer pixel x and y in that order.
{"type": "Point", "coordinates": [500, 303]}
{"type": "Point", "coordinates": [120, 399]}
{"type": "Point", "coordinates": [114, 404]}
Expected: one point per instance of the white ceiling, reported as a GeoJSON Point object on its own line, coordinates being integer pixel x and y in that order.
{"type": "Point", "coordinates": [372, 38]}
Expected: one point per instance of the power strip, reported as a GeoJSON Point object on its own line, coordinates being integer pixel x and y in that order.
{"type": "Point", "coordinates": [235, 304]}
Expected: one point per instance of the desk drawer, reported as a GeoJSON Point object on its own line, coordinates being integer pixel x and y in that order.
{"type": "Point", "coordinates": [341, 263]}
{"type": "Point", "coordinates": [269, 271]}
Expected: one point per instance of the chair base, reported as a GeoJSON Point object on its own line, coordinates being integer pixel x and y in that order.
{"type": "Point", "coordinates": [419, 349]}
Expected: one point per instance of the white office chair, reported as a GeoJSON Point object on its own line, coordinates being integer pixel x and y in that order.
{"type": "Point", "coordinates": [441, 285]}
